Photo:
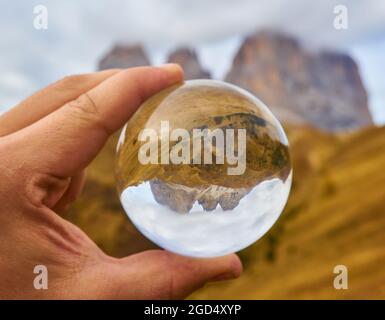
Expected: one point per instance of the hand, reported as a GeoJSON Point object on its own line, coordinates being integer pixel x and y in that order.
{"type": "Point", "coordinates": [46, 142]}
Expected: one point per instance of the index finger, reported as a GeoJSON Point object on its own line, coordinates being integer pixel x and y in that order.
{"type": "Point", "coordinates": [49, 99]}
{"type": "Point", "coordinates": [68, 139]}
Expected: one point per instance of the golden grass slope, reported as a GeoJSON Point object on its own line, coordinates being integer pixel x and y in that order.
{"type": "Point", "coordinates": [335, 215]}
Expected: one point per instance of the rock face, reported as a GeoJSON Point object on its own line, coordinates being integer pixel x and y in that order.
{"type": "Point", "coordinates": [124, 57]}
{"type": "Point", "coordinates": [188, 59]}
{"type": "Point", "coordinates": [182, 198]}
{"type": "Point", "coordinates": [323, 89]}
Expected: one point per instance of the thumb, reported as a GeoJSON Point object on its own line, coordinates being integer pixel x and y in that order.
{"type": "Point", "coordinates": [159, 274]}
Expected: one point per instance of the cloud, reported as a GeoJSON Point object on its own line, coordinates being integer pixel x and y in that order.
{"type": "Point", "coordinates": [190, 22]}
{"type": "Point", "coordinates": [79, 33]}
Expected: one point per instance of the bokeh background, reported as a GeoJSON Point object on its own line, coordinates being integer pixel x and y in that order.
{"type": "Point", "coordinates": [326, 85]}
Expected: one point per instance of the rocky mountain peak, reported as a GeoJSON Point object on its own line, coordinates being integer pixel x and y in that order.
{"type": "Point", "coordinates": [324, 89]}
{"type": "Point", "coordinates": [188, 59]}
{"type": "Point", "coordinates": [124, 56]}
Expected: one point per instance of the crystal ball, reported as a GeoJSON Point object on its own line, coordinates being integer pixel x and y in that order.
{"type": "Point", "coordinates": [203, 168]}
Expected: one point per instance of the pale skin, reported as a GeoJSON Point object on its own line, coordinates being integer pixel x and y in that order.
{"type": "Point", "coordinates": [46, 142]}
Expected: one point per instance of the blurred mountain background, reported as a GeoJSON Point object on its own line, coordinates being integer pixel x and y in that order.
{"type": "Point", "coordinates": [335, 214]}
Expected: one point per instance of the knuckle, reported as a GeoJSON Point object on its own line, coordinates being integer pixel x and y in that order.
{"type": "Point", "coordinates": [83, 104]}
{"type": "Point", "coordinates": [84, 109]}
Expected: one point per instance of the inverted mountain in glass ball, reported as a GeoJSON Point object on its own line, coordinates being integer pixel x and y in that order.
{"type": "Point", "coordinates": [203, 156]}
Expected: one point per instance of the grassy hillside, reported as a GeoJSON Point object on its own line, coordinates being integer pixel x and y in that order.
{"type": "Point", "coordinates": [335, 215]}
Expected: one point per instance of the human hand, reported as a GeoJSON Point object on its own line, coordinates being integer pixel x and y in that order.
{"type": "Point", "coordinates": [46, 142]}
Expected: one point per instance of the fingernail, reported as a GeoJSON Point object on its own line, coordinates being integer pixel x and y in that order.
{"type": "Point", "coordinates": [173, 67]}
{"type": "Point", "coordinates": [224, 276]}
{"type": "Point", "coordinates": [234, 272]}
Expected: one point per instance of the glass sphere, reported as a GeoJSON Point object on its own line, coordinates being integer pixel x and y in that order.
{"type": "Point", "coordinates": [203, 168]}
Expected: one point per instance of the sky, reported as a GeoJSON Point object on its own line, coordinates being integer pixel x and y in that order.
{"type": "Point", "coordinates": [80, 32]}
{"type": "Point", "coordinates": [207, 233]}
